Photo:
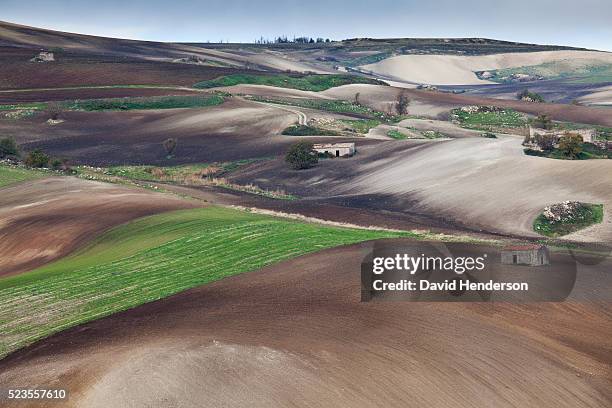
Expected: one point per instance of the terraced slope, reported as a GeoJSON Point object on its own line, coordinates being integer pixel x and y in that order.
{"type": "Point", "coordinates": [150, 259]}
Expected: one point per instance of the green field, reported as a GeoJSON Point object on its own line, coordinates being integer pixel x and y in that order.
{"type": "Point", "coordinates": [152, 102]}
{"type": "Point", "coordinates": [155, 102]}
{"type": "Point", "coordinates": [590, 214]}
{"type": "Point", "coordinates": [593, 72]}
{"type": "Point", "coordinates": [396, 134]}
{"type": "Point", "coordinates": [302, 82]}
{"type": "Point", "coordinates": [152, 258]}
{"type": "Point", "coordinates": [10, 175]}
{"type": "Point", "coordinates": [334, 105]}
{"type": "Point", "coordinates": [506, 118]}
{"type": "Point", "coordinates": [362, 126]}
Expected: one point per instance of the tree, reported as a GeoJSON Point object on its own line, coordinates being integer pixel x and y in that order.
{"type": "Point", "coordinates": [8, 148]}
{"type": "Point", "coordinates": [301, 155]}
{"type": "Point", "coordinates": [170, 145]}
{"type": "Point", "coordinates": [525, 95]}
{"type": "Point", "coordinates": [53, 110]}
{"type": "Point", "coordinates": [543, 122]}
{"type": "Point", "coordinates": [37, 158]}
{"type": "Point", "coordinates": [546, 142]}
{"type": "Point", "coordinates": [402, 103]}
{"type": "Point", "coordinates": [571, 145]}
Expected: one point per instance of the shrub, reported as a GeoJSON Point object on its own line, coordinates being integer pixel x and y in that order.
{"type": "Point", "coordinates": [525, 95]}
{"type": "Point", "coordinates": [8, 148]}
{"type": "Point", "coordinates": [170, 146]}
{"type": "Point", "coordinates": [37, 158]}
{"type": "Point", "coordinates": [546, 142]}
{"type": "Point", "coordinates": [571, 145]}
{"type": "Point", "coordinates": [301, 156]}
{"type": "Point", "coordinates": [543, 122]}
{"type": "Point", "coordinates": [402, 103]}
{"type": "Point", "coordinates": [489, 135]}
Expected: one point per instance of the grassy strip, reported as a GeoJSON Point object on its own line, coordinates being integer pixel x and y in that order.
{"type": "Point", "coordinates": [333, 105]}
{"type": "Point", "coordinates": [506, 118]}
{"type": "Point", "coordinates": [311, 82]}
{"type": "Point", "coordinates": [10, 175]}
{"type": "Point", "coordinates": [155, 102]}
{"type": "Point", "coordinates": [589, 151]}
{"type": "Point", "coordinates": [362, 126]}
{"type": "Point", "coordinates": [152, 258]}
{"type": "Point", "coordinates": [588, 215]}
{"type": "Point", "coordinates": [305, 130]}
{"type": "Point", "coordinates": [152, 102]}
{"type": "Point", "coordinates": [396, 134]}
{"type": "Point", "coordinates": [202, 174]}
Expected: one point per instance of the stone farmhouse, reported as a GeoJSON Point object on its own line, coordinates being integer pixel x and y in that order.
{"type": "Point", "coordinates": [528, 254]}
{"type": "Point", "coordinates": [335, 149]}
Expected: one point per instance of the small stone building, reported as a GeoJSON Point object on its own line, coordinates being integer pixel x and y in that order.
{"type": "Point", "coordinates": [43, 56]}
{"type": "Point", "coordinates": [335, 149]}
{"type": "Point", "coordinates": [529, 254]}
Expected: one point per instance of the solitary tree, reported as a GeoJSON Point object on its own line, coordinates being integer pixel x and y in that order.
{"type": "Point", "coordinates": [54, 110]}
{"type": "Point", "coordinates": [402, 103]}
{"type": "Point", "coordinates": [571, 145]}
{"type": "Point", "coordinates": [301, 156]}
{"type": "Point", "coordinates": [543, 121]}
{"type": "Point", "coordinates": [170, 145]}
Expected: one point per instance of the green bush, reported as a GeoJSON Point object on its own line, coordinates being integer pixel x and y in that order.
{"type": "Point", "coordinates": [489, 135]}
{"type": "Point", "coordinates": [396, 134]}
{"type": "Point", "coordinates": [8, 148]}
{"type": "Point", "coordinates": [525, 95]}
{"type": "Point", "coordinates": [571, 145]}
{"type": "Point", "coordinates": [301, 156]}
{"type": "Point", "coordinates": [37, 158]}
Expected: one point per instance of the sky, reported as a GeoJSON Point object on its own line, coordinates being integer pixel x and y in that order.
{"type": "Point", "coordinates": [583, 23]}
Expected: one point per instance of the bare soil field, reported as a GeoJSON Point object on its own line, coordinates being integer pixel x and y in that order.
{"type": "Point", "coordinates": [252, 130]}
{"type": "Point", "coordinates": [480, 183]}
{"type": "Point", "coordinates": [16, 72]}
{"type": "Point", "coordinates": [295, 334]}
{"type": "Point", "coordinates": [45, 219]}
{"type": "Point", "coordinates": [15, 35]}
{"type": "Point", "coordinates": [459, 70]}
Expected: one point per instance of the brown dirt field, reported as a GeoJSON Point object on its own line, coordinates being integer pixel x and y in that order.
{"type": "Point", "coordinates": [295, 335]}
{"type": "Point", "coordinates": [43, 220]}
{"type": "Point", "coordinates": [252, 130]}
{"type": "Point", "coordinates": [72, 94]}
{"type": "Point", "coordinates": [481, 184]}
{"type": "Point", "coordinates": [82, 70]}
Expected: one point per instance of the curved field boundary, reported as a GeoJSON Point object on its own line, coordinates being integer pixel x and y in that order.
{"type": "Point", "coordinates": [150, 259]}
